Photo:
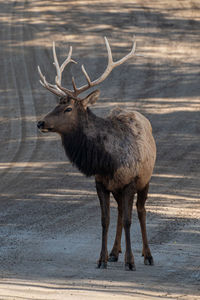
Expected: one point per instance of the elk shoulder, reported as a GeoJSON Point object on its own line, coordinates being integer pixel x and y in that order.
{"type": "Point", "coordinates": [132, 144]}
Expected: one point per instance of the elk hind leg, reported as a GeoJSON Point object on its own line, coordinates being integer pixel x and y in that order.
{"type": "Point", "coordinates": [114, 254]}
{"type": "Point", "coordinates": [104, 198]}
{"type": "Point", "coordinates": [127, 206]}
{"type": "Point", "coordinates": [140, 204]}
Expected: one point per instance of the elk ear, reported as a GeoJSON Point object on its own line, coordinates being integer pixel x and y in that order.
{"type": "Point", "coordinates": [91, 98]}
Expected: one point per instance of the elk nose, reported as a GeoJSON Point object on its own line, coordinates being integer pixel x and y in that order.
{"type": "Point", "coordinates": [40, 124]}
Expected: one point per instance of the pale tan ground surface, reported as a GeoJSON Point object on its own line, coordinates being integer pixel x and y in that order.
{"type": "Point", "coordinates": [50, 231]}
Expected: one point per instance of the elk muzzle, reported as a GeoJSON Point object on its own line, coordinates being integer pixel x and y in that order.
{"type": "Point", "coordinates": [43, 127]}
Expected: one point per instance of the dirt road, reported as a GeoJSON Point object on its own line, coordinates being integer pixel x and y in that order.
{"type": "Point", "coordinates": [50, 231]}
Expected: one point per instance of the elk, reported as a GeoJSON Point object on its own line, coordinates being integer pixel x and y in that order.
{"type": "Point", "coordinates": [119, 151]}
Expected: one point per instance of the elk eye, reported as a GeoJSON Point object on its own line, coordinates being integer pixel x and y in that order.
{"type": "Point", "coordinates": [67, 109]}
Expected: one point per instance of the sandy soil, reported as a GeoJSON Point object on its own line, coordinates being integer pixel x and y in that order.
{"type": "Point", "coordinates": [50, 231]}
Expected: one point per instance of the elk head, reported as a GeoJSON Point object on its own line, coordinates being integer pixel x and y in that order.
{"type": "Point", "coordinates": [66, 114]}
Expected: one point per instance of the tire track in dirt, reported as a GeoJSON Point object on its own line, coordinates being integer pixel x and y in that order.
{"type": "Point", "coordinates": [25, 103]}
{"type": "Point", "coordinates": [11, 84]}
{"type": "Point", "coordinates": [53, 247]}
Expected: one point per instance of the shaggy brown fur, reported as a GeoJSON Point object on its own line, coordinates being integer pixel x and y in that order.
{"type": "Point", "coordinates": [135, 150]}
{"type": "Point", "coordinates": [120, 152]}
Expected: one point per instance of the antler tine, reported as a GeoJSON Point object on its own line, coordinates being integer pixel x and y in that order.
{"type": "Point", "coordinates": [110, 66]}
{"type": "Point", "coordinates": [60, 69]}
{"type": "Point", "coordinates": [110, 59]}
{"type": "Point", "coordinates": [68, 60]}
{"type": "Point", "coordinates": [56, 64]}
{"type": "Point", "coordinates": [48, 86]}
{"type": "Point", "coordinates": [86, 75]}
{"type": "Point", "coordinates": [129, 55]}
{"type": "Point", "coordinates": [111, 63]}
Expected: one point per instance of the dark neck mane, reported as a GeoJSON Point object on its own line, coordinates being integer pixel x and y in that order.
{"type": "Point", "coordinates": [88, 154]}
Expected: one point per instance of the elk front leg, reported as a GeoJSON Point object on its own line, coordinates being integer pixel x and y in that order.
{"type": "Point", "coordinates": [114, 254]}
{"type": "Point", "coordinates": [141, 199]}
{"type": "Point", "coordinates": [104, 198]}
{"type": "Point", "coordinates": [127, 204]}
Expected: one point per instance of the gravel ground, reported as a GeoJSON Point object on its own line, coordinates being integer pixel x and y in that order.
{"type": "Point", "coordinates": [50, 229]}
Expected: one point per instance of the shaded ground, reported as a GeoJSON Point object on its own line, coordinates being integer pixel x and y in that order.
{"type": "Point", "coordinates": [50, 230]}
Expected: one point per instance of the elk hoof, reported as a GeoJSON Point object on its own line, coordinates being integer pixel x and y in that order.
{"type": "Point", "coordinates": [112, 258]}
{"type": "Point", "coordinates": [102, 265]}
{"type": "Point", "coordinates": [130, 267]}
{"type": "Point", "coordinates": [149, 260]}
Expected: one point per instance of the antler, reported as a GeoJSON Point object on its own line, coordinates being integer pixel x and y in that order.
{"type": "Point", "coordinates": [111, 65]}
{"type": "Point", "coordinates": [61, 91]}
{"type": "Point", "coordinates": [57, 89]}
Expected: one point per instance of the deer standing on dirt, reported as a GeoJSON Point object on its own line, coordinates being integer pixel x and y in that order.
{"type": "Point", "coordinates": [118, 150]}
